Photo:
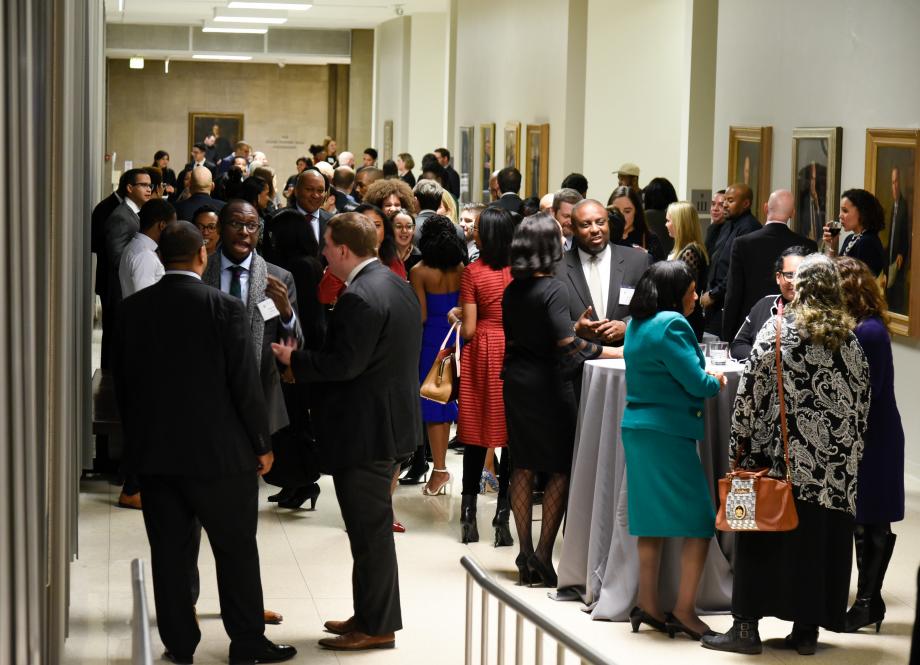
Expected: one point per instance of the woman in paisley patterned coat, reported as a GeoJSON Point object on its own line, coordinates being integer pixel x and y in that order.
{"type": "Point", "coordinates": [802, 575]}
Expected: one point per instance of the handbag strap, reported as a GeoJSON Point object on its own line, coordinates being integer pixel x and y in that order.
{"type": "Point", "coordinates": [779, 383]}
{"type": "Point", "coordinates": [455, 330]}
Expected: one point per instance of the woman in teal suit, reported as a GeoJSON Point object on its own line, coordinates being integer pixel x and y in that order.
{"type": "Point", "coordinates": [668, 496]}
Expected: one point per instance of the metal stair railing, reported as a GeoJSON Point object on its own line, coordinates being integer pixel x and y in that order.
{"type": "Point", "coordinates": [140, 618]}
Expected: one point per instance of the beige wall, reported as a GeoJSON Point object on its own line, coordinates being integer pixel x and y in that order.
{"type": "Point", "coordinates": [360, 92]}
{"type": "Point", "coordinates": [391, 82]}
{"type": "Point", "coordinates": [427, 72]}
{"type": "Point", "coordinates": [285, 108]}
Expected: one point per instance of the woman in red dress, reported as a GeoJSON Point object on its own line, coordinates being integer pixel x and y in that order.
{"type": "Point", "coordinates": [481, 423]}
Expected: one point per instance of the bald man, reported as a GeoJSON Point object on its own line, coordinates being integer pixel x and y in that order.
{"type": "Point", "coordinates": [751, 266]}
{"type": "Point", "coordinates": [347, 159]}
{"type": "Point", "coordinates": [200, 186]}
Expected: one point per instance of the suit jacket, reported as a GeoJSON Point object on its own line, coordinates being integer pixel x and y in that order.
{"type": "Point", "coordinates": [510, 202]}
{"type": "Point", "coordinates": [186, 383]}
{"type": "Point", "coordinates": [627, 265]}
{"type": "Point", "coordinates": [209, 165]}
{"type": "Point", "coordinates": [750, 273]}
{"type": "Point", "coordinates": [186, 209]}
{"type": "Point", "coordinates": [899, 233]}
{"type": "Point", "coordinates": [453, 181]}
{"type": "Point", "coordinates": [120, 228]}
{"type": "Point", "coordinates": [97, 239]}
{"type": "Point", "coordinates": [262, 332]}
{"type": "Point", "coordinates": [720, 259]}
{"type": "Point", "coordinates": [324, 218]}
{"type": "Point", "coordinates": [367, 406]}
{"type": "Point", "coordinates": [343, 202]}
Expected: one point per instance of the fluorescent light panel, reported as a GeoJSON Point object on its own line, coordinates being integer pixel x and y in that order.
{"type": "Point", "coordinates": [270, 20]}
{"type": "Point", "coordinates": [246, 31]}
{"type": "Point", "coordinates": [199, 56]}
{"type": "Point", "coordinates": [292, 7]}
{"type": "Point", "coordinates": [136, 63]}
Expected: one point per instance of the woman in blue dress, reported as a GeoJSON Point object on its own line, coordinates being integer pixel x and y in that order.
{"type": "Point", "coordinates": [668, 495]}
{"type": "Point", "coordinates": [436, 282]}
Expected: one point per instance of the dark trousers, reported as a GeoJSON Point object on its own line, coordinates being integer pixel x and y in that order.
{"type": "Point", "coordinates": [363, 493]}
{"type": "Point", "coordinates": [227, 508]}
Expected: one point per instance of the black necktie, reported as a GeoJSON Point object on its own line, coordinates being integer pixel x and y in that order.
{"type": "Point", "coordinates": [236, 286]}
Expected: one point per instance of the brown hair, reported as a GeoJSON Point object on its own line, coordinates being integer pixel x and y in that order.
{"type": "Point", "coordinates": [379, 190]}
{"type": "Point", "coordinates": [356, 232]}
{"type": "Point", "coordinates": [862, 294]}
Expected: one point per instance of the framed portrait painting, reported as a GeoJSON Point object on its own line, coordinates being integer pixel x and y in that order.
{"type": "Point", "coordinates": [513, 145]}
{"type": "Point", "coordinates": [387, 140]}
{"type": "Point", "coordinates": [750, 157]}
{"type": "Point", "coordinates": [486, 159]}
{"type": "Point", "coordinates": [219, 131]}
{"type": "Point", "coordinates": [467, 141]}
{"type": "Point", "coordinates": [815, 178]}
{"type": "Point", "coordinates": [892, 169]}
{"type": "Point", "coordinates": [537, 181]}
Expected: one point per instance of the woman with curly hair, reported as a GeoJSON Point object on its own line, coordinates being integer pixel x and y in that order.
{"type": "Point", "coordinates": [880, 499]}
{"type": "Point", "coordinates": [391, 196]}
{"type": "Point", "coordinates": [801, 575]}
{"type": "Point", "coordinates": [861, 214]}
{"type": "Point", "coordinates": [436, 282]}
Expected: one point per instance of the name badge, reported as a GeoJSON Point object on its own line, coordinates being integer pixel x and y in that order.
{"type": "Point", "coordinates": [268, 309]}
{"type": "Point", "coordinates": [626, 294]}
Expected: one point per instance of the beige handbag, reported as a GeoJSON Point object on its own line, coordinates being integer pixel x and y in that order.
{"type": "Point", "coordinates": [442, 385]}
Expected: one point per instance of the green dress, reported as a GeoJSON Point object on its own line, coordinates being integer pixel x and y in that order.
{"type": "Point", "coordinates": [666, 383]}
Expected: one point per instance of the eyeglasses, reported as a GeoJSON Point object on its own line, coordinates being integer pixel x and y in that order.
{"type": "Point", "coordinates": [788, 276]}
{"type": "Point", "coordinates": [239, 226]}
{"type": "Point", "coordinates": [208, 227]}
{"type": "Point", "coordinates": [148, 185]}
{"type": "Point", "coordinates": [403, 227]}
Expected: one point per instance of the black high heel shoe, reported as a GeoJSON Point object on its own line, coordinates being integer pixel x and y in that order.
{"type": "Point", "coordinates": [285, 494]}
{"type": "Point", "coordinates": [523, 569]}
{"type": "Point", "coordinates": [638, 616]}
{"type": "Point", "coordinates": [541, 574]}
{"type": "Point", "coordinates": [415, 476]}
{"type": "Point", "coordinates": [300, 495]}
{"type": "Point", "coordinates": [673, 626]}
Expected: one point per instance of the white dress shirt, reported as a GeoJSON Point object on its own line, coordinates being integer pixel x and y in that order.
{"type": "Point", "coordinates": [134, 207]}
{"type": "Point", "coordinates": [603, 264]}
{"type": "Point", "coordinates": [226, 276]}
{"type": "Point", "coordinates": [140, 266]}
{"type": "Point", "coordinates": [187, 273]}
{"type": "Point", "coordinates": [313, 218]}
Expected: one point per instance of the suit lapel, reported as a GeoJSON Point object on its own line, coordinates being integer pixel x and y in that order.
{"type": "Point", "coordinates": [576, 276]}
{"type": "Point", "coordinates": [617, 270]}
{"type": "Point", "coordinates": [258, 280]}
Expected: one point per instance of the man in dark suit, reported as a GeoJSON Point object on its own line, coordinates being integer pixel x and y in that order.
{"type": "Point", "coordinates": [310, 191]}
{"type": "Point", "coordinates": [199, 158]}
{"type": "Point", "coordinates": [738, 221]}
{"type": "Point", "coordinates": [183, 349]}
{"type": "Point", "coordinates": [368, 420]}
{"type": "Point", "coordinates": [200, 186]}
{"type": "Point", "coordinates": [898, 247]}
{"type": "Point", "coordinates": [509, 184]}
{"type": "Point", "coordinates": [751, 270]}
{"type": "Point", "coordinates": [600, 275]}
{"type": "Point", "coordinates": [100, 215]}
{"type": "Point", "coordinates": [343, 180]}
{"type": "Point", "coordinates": [453, 178]}
{"type": "Point", "coordinates": [241, 149]}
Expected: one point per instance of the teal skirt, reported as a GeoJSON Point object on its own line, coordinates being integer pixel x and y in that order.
{"type": "Point", "coordinates": [667, 492]}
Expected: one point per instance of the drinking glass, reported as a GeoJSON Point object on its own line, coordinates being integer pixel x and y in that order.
{"type": "Point", "coordinates": [718, 352]}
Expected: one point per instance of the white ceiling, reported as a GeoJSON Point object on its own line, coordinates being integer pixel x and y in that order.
{"type": "Point", "coordinates": [334, 14]}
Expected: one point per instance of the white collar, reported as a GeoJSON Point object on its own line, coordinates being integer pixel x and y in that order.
{"type": "Point", "coordinates": [508, 194]}
{"type": "Point", "coordinates": [308, 215]}
{"type": "Point", "coordinates": [148, 242]}
{"type": "Point", "coordinates": [358, 268]}
{"type": "Point", "coordinates": [585, 257]}
{"type": "Point", "coordinates": [225, 262]}
{"type": "Point", "coordinates": [775, 221]}
{"type": "Point", "coordinates": [187, 273]}
{"type": "Point", "coordinates": [133, 206]}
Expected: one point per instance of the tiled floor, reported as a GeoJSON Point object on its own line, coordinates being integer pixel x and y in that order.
{"type": "Point", "coordinates": [306, 571]}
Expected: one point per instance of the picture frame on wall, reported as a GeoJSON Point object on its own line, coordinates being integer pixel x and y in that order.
{"type": "Point", "coordinates": [227, 129]}
{"type": "Point", "coordinates": [513, 145]}
{"type": "Point", "coordinates": [893, 175]}
{"type": "Point", "coordinates": [537, 182]}
{"type": "Point", "coordinates": [816, 160]}
{"type": "Point", "coordinates": [387, 140]}
{"type": "Point", "coordinates": [486, 159]}
{"type": "Point", "coordinates": [750, 158]}
{"type": "Point", "coordinates": [466, 143]}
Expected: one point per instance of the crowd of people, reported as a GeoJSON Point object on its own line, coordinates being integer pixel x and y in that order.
{"type": "Point", "coordinates": [317, 309]}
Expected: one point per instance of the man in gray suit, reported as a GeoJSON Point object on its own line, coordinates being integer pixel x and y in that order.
{"type": "Point", "coordinates": [123, 224]}
{"type": "Point", "coordinates": [600, 275]}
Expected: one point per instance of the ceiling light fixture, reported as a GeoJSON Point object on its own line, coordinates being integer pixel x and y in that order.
{"type": "Point", "coordinates": [271, 20]}
{"type": "Point", "coordinates": [245, 31]}
{"type": "Point", "coordinates": [289, 6]}
{"type": "Point", "coordinates": [136, 63]}
{"type": "Point", "coordinates": [121, 5]}
{"type": "Point", "coordinates": [198, 56]}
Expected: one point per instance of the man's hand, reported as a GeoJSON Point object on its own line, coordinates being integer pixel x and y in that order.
{"type": "Point", "coordinates": [265, 462]}
{"type": "Point", "coordinates": [706, 300]}
{"type": "Point", "coordinates": [585, 326]}
{"type": "Point", "coordinates": [284, 350]}
{"type": "Point", "coordinates": [611, 331]}
{"type": "Point", "coordinates": [899, 261]}
{"type": "Point", "coordinates": [277, 291]}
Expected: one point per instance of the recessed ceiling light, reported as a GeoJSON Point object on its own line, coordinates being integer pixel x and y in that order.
{"type": "Point", "coordinates": [271, 20]}
{"type": "Point", "coordinates": [136, 63]}
{"type": "Point", "coordinates": [198, 56]}
{"type": "Point", "coordinates": [290, 6]}
{"type": "Point", "coordinates": [246, 31]}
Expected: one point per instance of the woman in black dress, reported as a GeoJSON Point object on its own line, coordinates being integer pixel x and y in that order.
{"type": "Point", "coordinates": [861, 214]}
{"type": "Point", "coordinates": [542, 353]}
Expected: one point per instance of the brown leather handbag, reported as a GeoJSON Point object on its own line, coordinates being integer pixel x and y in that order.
{"type": "Point", "coordinates": [750, 500]}
{"type": "Point", "coordinates": [442, 384]}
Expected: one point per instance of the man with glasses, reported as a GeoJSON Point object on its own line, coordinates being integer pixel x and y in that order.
{"type": "Point", "coordinates": [766, 308]}
{"type": "Point", "coordinates": [752, 256]}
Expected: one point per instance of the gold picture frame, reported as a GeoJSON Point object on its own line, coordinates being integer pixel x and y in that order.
{"type": "Point", "coordinates": [387, 140]}
{"type": "Point", "coordinates": [467, 144]}
{"type": "Point", "coordinates": [227, 128]}
{"type": "Point", "coordinates": [750, 159]}
{"type": "Point", "coordinates": [537, 182]}
{"type": "Point", "coordinates": [816, 160]}
{"type": "Point", "coordinates": [893, 175]}
{"type": "Point", "coordinates": [486, 159]}
{"type": "Point", "coordinates": [513, 145]}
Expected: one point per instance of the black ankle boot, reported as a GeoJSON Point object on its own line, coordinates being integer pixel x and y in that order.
{"type": "Point", "coordinates": [469, 532]}
{"type": "Point", "coordinates": [743, 637]}
{"type": "Point", "coordinates": [500, 522]}
{"type": "Point", "coordinates": [803, 638]}
{"type": "Point", "coordinates": [869, 606]}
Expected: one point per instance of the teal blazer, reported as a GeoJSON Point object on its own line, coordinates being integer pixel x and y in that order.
{"type": "Point", "coordinates": [666, 381]}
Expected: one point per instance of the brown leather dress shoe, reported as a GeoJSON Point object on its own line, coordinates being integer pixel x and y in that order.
{"type": "Point", "coordinates": [340, 627]}
{"type": "Point", "coordinates": [273, 618]}
{"type": "Point", "coordinates": [130, 501]}
{"type": "Point", "coordinates": [355, 641]}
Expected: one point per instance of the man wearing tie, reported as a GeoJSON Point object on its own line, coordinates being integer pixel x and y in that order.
{"type": "Point", "coordinates": [310, 192]}
{"type": "Point", "coordinates": [898, 247]}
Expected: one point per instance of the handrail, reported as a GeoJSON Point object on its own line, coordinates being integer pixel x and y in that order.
{"type": "Point", "coordinates": [524, 611]}
{"type": "Point", "coordinates": [140, 618]}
